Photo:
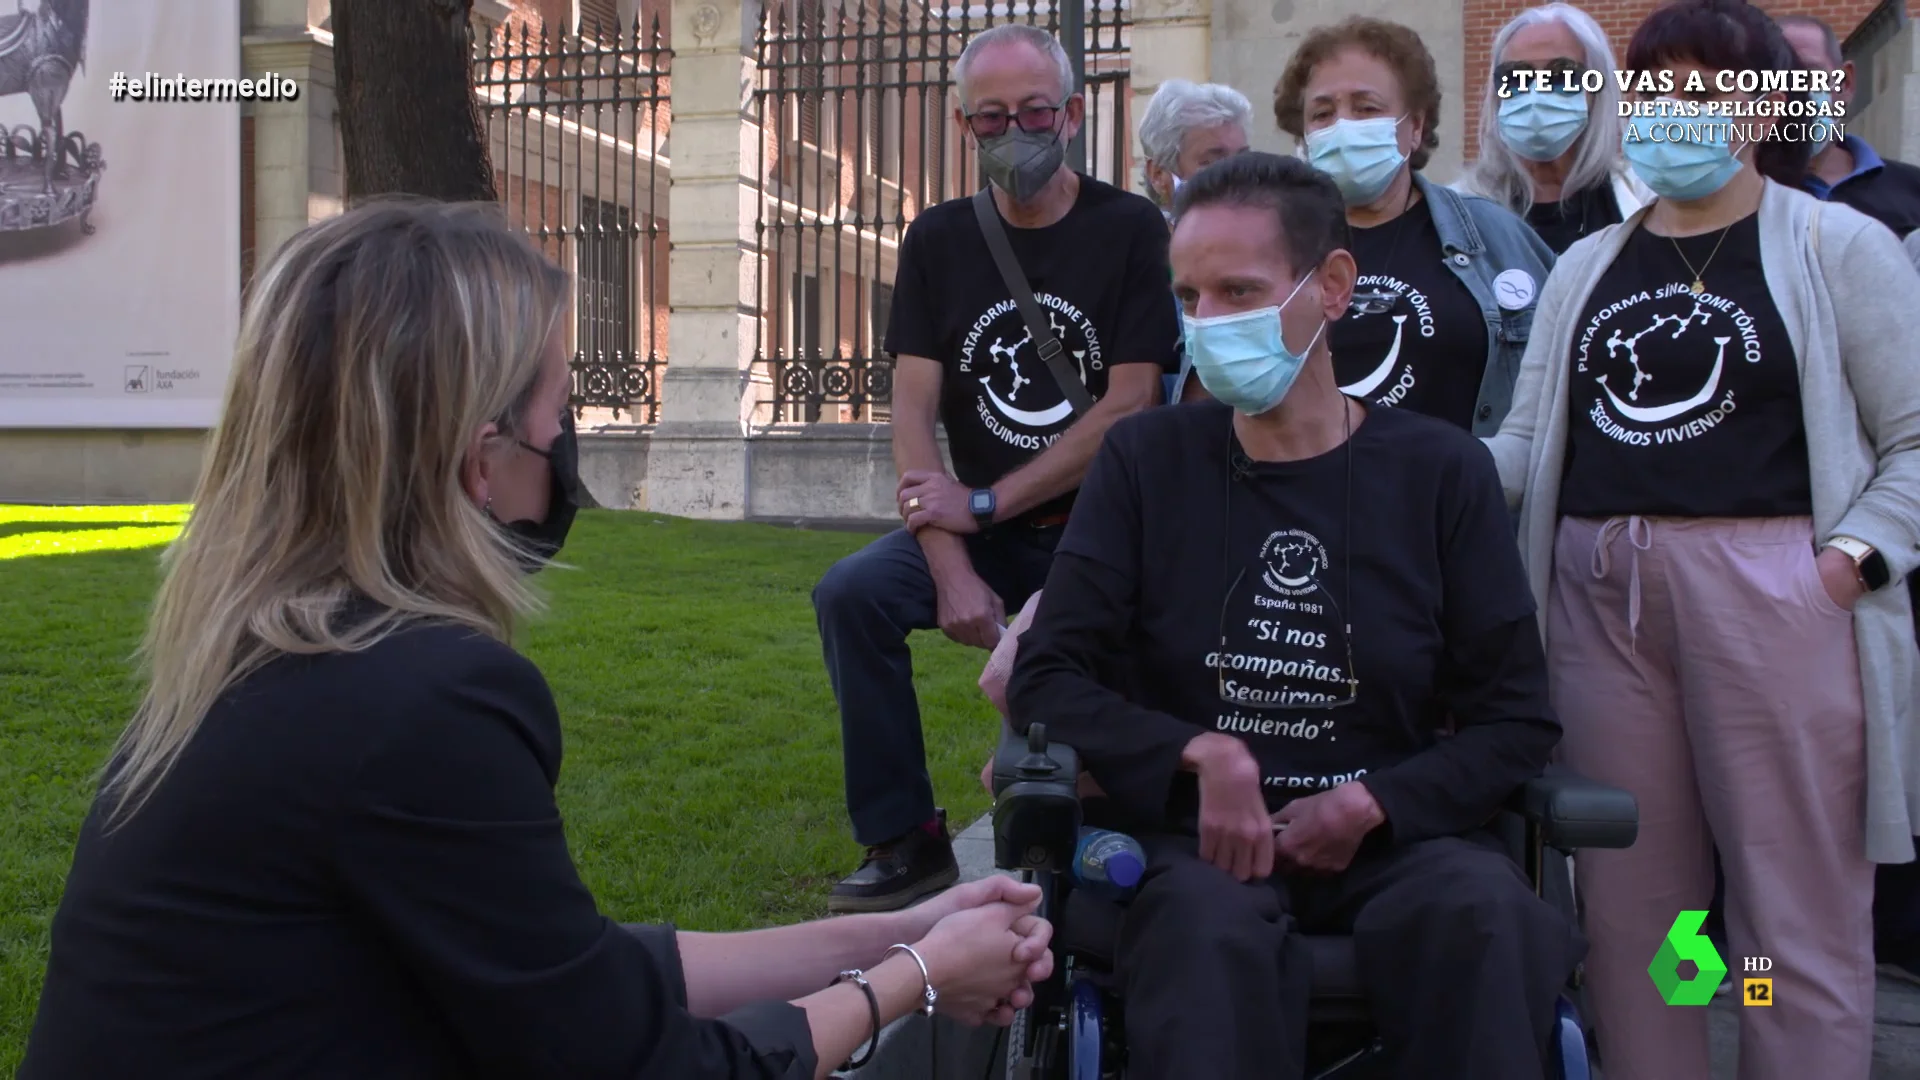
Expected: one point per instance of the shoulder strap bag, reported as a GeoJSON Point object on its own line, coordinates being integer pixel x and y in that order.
{"type": "Point", "coordinates": [1052, 353]}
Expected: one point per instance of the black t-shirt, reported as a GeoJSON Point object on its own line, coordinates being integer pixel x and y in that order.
{"type": "Point", "coordinates": [1416, 557]}
{"type": "Point", "coordinates": [1577, 214]}
{"type": "Point", "coordinates": [1100, 274]}
{"type": "Point", "coordinates": [1416, 338]}
{"type": "Point", "coordinates": [1685, 405]}
{"type": "Point", "coordinates": [357, 869]}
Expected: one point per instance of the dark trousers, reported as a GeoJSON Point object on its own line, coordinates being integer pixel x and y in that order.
{"type": "Point", "coordinates": [867, 604]}
{"type": "Point", "coordinates": [1461, 962]}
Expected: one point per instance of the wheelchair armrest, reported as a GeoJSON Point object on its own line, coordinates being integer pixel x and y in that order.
{"type": "Point", "coordinates": [1036, 806]}
{"type": "Point", "coordinates": [1569, 812]}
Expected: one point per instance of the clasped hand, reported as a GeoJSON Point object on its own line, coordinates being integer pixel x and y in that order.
{"type": "Point", "coordinates": [984, 947]}
{"type": "Point", "coordinates": [942, 502]}
{"type": "Point", "coordinates": [1318, 834]}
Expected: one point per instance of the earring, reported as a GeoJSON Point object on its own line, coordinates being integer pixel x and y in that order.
{"type": "Point", "coordinates": [488, 508]}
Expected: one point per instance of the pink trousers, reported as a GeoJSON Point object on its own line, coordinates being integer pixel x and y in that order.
{"type": "Point", "coordinates": [1701, 665]}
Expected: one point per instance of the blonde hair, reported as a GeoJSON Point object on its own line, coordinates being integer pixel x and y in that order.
{"type": "Point", "coordinates": [372, 350]}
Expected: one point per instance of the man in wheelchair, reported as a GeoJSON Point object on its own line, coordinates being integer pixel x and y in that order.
{"type": "Point", "coordinates": [1290, 638]}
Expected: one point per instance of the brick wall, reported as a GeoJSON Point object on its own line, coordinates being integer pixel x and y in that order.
{"type": "Point", "coordinates": [1484, 18]}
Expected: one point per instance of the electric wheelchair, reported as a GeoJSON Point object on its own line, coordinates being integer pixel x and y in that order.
{"type": "Point", "coordinates": [1075, 1029]}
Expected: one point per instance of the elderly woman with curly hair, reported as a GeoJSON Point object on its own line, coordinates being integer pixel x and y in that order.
{"type": "Point", "coordinates": [1447, 281]}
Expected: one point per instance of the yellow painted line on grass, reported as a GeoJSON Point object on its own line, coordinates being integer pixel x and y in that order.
{"type": "Point", "coordinates": [137, 527]}
{"type": "Point", "coordinates": [80, 515]}
{"type": "Point", "coordinates": [130, 538]}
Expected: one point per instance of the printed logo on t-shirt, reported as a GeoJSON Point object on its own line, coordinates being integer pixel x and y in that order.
{"type": "Point", "coordinates": [1383, 296]}
{"type": "Point", "coordinates": [1659, 360]}
{"type": "Point", "coordinates": [1283, 644]}
{"type": "Point", "coordinates": [1019, 400]}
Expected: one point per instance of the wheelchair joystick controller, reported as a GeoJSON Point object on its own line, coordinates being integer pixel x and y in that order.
{"type": "Point", "coordinates": [1037, 765]}
{"type": "Point", "coordinates": [1036, 818]}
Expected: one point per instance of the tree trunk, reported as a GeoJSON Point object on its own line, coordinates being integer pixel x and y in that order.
{"type": "Point", "coordinates": [409, 123]}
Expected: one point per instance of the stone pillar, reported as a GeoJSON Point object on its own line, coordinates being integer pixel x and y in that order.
{"type": "Point", "coordinates": [1172, 39]}
{"type": "Point", "coordinates": [697, 458]}
{"type": "Point", "coordinates": [296, 166]}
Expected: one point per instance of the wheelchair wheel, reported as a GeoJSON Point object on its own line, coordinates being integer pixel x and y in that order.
{"type": "Point", "coordinates": [1569, 1044]}
{"type": "Point", "coordinates": [1085, 1016]}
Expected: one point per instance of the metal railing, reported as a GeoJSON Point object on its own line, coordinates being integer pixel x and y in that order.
{"type": "Point", "coordinates": [856, 137]}
{"type": "Point", "coordinates": [576, 126]}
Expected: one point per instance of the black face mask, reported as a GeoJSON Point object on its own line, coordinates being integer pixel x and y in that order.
{"type": "Point", "coordinates": [540, 541]}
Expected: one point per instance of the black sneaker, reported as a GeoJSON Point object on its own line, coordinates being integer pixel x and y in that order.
{"type": "Point", "coordinates": [895, 874]}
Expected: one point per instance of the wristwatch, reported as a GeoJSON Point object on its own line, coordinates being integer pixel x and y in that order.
{"type": "Point", "coordinates": [1868, 563]}
{"type": "Point", "coordinates": [983, 504]}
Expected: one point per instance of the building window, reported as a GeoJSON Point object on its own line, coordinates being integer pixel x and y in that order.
{"type": "Point", "coordinates": [604, 310]}
{"type": "Point", "coordinates": [806, 317]}
{"type": "Point", "coordinates": [882, 312]}
{"type": "Point", "coordinates": [603, 14]}
{"type": "Point", "coordinates": [809, 76]}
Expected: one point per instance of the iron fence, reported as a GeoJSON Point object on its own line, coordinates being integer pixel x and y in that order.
{"type": "Point", "coordinates": [856, 137]}
{"type": "Point", "coordinates": [576, 126]}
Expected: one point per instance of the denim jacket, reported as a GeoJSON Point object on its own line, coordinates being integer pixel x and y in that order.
{"type": "Point", "coordinates": [1504, 265]}
{"type": "Point", "coordinates": [1484, 244]}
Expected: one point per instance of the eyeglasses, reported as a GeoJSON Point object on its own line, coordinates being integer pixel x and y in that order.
{"type": "Point", "coordinates": [1033, 119]}
{"type": "Point", "coordinates": [1373, 302]}
{"type": "Point", "coordinates": [1289, 699]}
{"type": "Point", "coordinates": [1561, 73]}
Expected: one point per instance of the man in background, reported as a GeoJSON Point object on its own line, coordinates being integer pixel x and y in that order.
{"type": "Point", "coordinates": [978, 541]}
{"type": "Point", "coordinates": [1847, 169]}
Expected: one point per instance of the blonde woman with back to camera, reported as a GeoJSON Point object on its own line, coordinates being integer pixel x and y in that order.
{"type": "Point", "coordinates": [327, 844]}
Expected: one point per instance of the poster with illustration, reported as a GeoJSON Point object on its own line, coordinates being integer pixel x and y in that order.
{"type": "Point", "coordinates": [119, 213]}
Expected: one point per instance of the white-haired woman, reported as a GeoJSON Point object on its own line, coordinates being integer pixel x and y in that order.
{"type": "Point", "coordinates": [1187, 127]}
{"type": "Point", "coordinates": [1551, 156]}
{"type": "Point", "coordinates": [327, 844]}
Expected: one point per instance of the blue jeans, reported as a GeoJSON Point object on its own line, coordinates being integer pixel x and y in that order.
{"type": "Point", "coordinates": [866, 606]}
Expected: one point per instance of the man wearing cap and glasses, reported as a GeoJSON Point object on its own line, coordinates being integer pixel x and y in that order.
{"type": "Point", "coordinates": [1026, 319]}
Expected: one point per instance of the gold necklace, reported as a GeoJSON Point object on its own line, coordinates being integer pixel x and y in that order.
{"type": "Point", "coordinates": [1699, 284]}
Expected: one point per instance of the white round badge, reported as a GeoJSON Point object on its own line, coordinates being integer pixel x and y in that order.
{"type": "Point", "coordinates": [1513, 289]}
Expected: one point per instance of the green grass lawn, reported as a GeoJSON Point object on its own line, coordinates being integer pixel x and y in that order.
{"type": "Point", "coordinates": [702, 775]}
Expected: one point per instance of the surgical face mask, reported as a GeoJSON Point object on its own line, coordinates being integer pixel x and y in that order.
{"type": "Point", "coordinates": [1362, 156]}
{"type": "Point", "coordinates": [1243, 359]}
{"type": "Point", "coordinates": [541, 540]}
{"type": "Point", "coordinates": [1540, 125]}
{"type": "Point", "coordinates": [1691, 160]}
{"type": "Point", "coordinates": [1820, 127]}
{"type": "Point", "coordinates": [1021, 162]}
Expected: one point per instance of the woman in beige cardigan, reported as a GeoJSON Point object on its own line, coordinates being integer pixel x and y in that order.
{"type": "Point", "coordinates": [1717, 428]}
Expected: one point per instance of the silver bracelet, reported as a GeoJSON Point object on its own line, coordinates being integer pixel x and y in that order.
{"type": "Point", "coordinates": [930, 995]}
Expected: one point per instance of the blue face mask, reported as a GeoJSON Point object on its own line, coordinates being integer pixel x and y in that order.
{"type": "Point", "coordinates": [1695, 166]}
{"type": "Point", "coordinates": [1820, 128]}
{"type": "Point", "coordinates": [1362, 156]}
{"type": "Point", "coordinates": [1539, 125]}
{"type": "Point", "coordinates": [1243, 360]}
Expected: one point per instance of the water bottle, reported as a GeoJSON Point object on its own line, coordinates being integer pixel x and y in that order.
{"type": "Point", "coordinates": [1108, 863]}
